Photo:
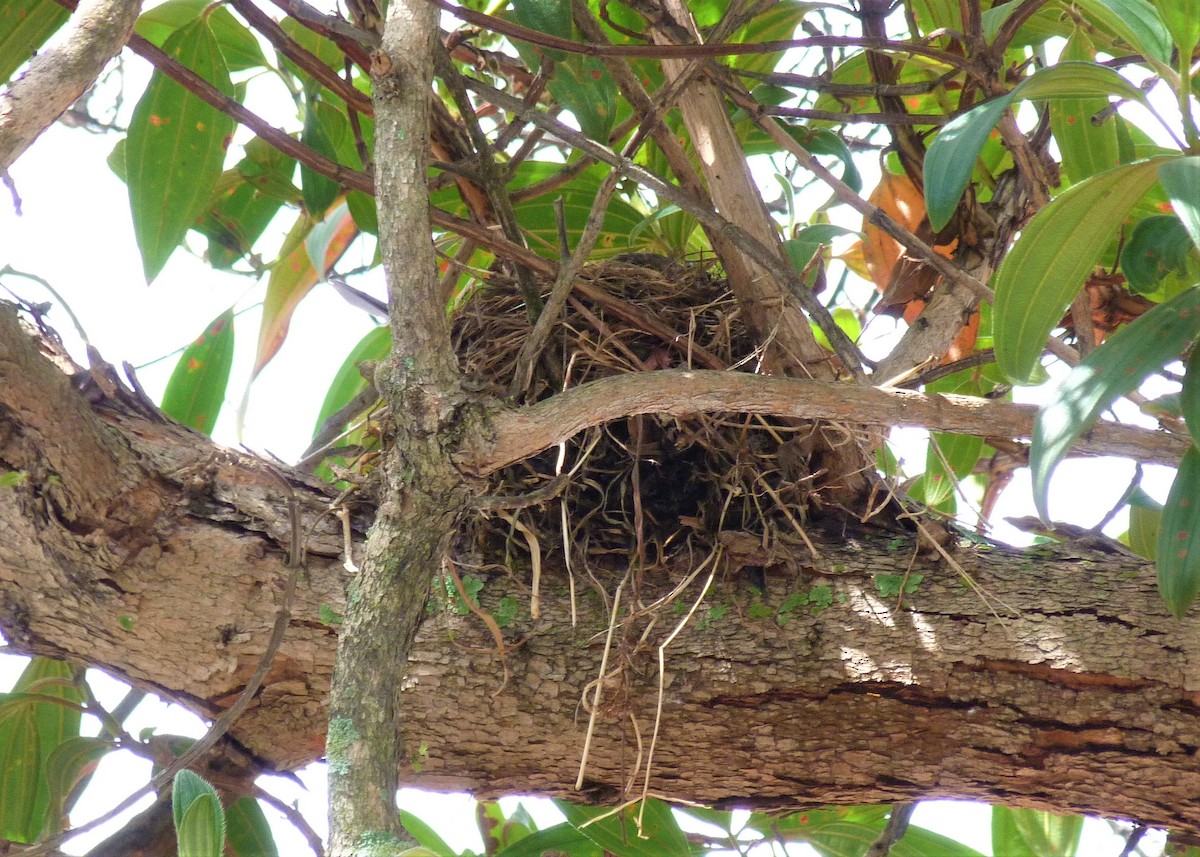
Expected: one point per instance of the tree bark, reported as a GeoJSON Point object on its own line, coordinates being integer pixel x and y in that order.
{"type": "Point", "coordinates": [423, 494]}
{"type": "Point", "coordinates": [138, 546]}
{"type": "Point", "coordinates": [56, 79]}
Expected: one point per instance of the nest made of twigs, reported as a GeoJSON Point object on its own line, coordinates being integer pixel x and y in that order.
{"type": "Point", "coordinates": [647, 484]}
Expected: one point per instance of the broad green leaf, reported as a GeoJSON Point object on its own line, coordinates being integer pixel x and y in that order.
{"type": "Point", "coordinates": [238, 45]}
{"type": "Point", "coordinates": [201, 831]}
{"type": "Point", "coordinates": [1181, 179]}
{"type": "Point", "coordinates": [187, 787]}
{"type": "Point", "coordinates": [175, 148]}
{"type": "Point", "coordinates": [425, 835]}
{"type": "Point", "coordinates": [1157, 247]}
{"type": "Point", "coordinates": [325, 127]}
{"type": "Point", "coordinates": [552, 17]}
{"type": "Point", "coordinates": [1045, 24]}
{"type": "Point", "coordinates": [248, 831]}
{"type": "Point", "coordinates": [237, 217]}
{"type": "Point", "coordinates": [1034, 833]}
{"type": "Point", "coordinates": [822, 142]}
{"type": "Point", "coordinates": [1182, 20]}
{"type": "Point", "coordinates": [801, 247]}
{"type": "Point", "coordinates": [30, 730]}
{"type": "Point", "coordinates": [1189, 396]}
{"type": "Point", "coordinates": [537, 218]}
{"type": "Point", "coordinates": [919, 842]}
{"type": "Point", "coordinates": [20, 773]}
{"type": "Point", "coordinates": [776, 23]}
{"type": "Point", "coordinates": [798, 824]}
{"type": "Point", "coordinates": [500, 831]}
{"type": "Point", "coordinates": [196, 391]}
{"type": "Point", "coordinates": [1145, 523]}
{"type": "Point", "coordinates": [1112, 370]}
{"type": "Point", "coordinates": [561, 838]}
{"type": "Point", "coordinates": [856, 70]}
{"type": "Point", "coordinates": [618, 833]}
{"type": "Point", "coordinates": [292, 278]}
{"type": "Point", "coordinates": [247, 199]}
{"type": "Point", "coordinates": [961, 451]}
{"type": "Point", "coordinates": [1086, 148]}
{"type": "Point", "coordinates": [1179, 538]}
{"type": "Point", "coordinates": [24, 26]}
{"type": "Point", "coordinates": [1048, 264]}
{"type": "Point", "coordinates": [67, 765]}
{"type": "Point", "coordinates": [1135, 22]}
{"type": "Point", "coordinates": [952, 155]}
{"type": "Point", "coordinates": [349, 382]}
{"type": "Point", "coordinates": [846, 319]}
{"type": "Point", "coordinates": [938, 14]}
{"type": "Point", "coordinates": [325, 50]}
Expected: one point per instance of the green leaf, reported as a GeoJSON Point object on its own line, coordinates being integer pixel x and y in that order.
{"type": "Point", "coordinates": [1145, 523]}
{"type": "Point", "coordinates": [1182, 20]}
{"type": "Point", "coordinates": [537, 218]}
{"type": "Point", "coordinates": [247, 199]}
{"type": "Point", "coordinates": [1179, 538]}
{"type": "Point", "coordinates": [1135, 22]}
{"type": "Point", "coordinates": [66, 766]}
{"type": "Point", "coordinates": [1048, 264]}
{"type": "Point", "coordinates": [425, 835]}
{"type": "Point", "coordinates": [1158, 246]}
{"type": "Point", "coordinates": [32, 725]}
{"type": "Point", "coordinates": [801, 247]}
{"type": "Point", "coordinates": [952, 155]}
{"type": "Point", "coordinates": [175, 148]}
{"type": "Point", "coordinates": [1112, 370]}
{"type": "Point", "coordinates": [248, 831]}
{"type": "Point", "coordinates": [961, 451]}
{"type": "Point", "coordinates": [559, 838]}
{"type": "Point", "coordinates": [1034, 833]}
{"type": "Point", "coordinates": [1181, 179]}
{"type": "Point", "coordinates": [349, 381]}
{"type": "Point", "coordinates": [238, 45]}
{"type": "Point", "coordinates": [19, 771]}
{"type": "Point", "coordinates": [201, 831]}
{"type": "Point", "coordinates": [822, 142]}
{"type": "Point", "coordinates": [919, 842]}
{"type": "Point", "coordinates": [196, 391]}
{"type": "Point", "coordinates": [618, 834]}
{"type": "Point", "coordinates": [324, 49]}
{"type": "Point", "coordinates": [325, 127]}
{"type": "Point", "coordinates": [1189, 396]}
{"type": "Point", "coordinates": [552, 17]}
{"type": "Point", "coordinates": [24, 27]}
{"type": "Point", "coordinates": [1086, 148]}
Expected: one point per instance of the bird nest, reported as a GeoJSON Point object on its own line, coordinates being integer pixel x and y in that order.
{"type": "Point", "coordinates": [646, 486]}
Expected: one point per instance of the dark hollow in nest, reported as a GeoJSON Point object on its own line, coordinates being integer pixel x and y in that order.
{"type": "Point", "coordinates": [678, 480]}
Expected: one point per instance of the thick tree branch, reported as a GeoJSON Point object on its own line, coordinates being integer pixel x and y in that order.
{"type": "Point", "coordinates": [56, 79]}
{"type": "Point", "coordinates": [521, 432]}
{"type": "Point", "coordinates": [1082, 696]}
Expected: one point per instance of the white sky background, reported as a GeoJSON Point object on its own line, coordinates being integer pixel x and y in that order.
{"type": "Point", "coordinates": [75, 232]}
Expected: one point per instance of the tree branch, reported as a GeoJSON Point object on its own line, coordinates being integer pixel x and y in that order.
{"type": "Point", "coordinates": [56, 79]}
{"type": "Point", "coordinates": [520, 433]}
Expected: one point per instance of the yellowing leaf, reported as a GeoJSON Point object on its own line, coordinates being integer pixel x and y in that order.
{"type": "Point", "coordinates": [293, 277]}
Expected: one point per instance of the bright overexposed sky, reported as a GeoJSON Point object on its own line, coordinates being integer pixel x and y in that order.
{"type": "Point", "coordinates": [75, 232]}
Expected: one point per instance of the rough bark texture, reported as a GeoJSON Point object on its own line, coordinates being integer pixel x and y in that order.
{"type": "Point", "coordinates": [56, 79]}
{"type": "Point", "coordinates": [141, 547]}
{"type": "Point", "coordinates": [423, 493]}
